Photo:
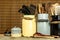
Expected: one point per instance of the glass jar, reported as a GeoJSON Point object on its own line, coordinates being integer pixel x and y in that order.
{"type": "Point", "coordinates": [16, 32]}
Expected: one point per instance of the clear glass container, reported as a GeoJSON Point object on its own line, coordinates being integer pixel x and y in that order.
{"type": "Point", "coordinates": [16, 32]}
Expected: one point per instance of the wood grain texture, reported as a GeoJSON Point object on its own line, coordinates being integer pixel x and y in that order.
{"type": "Point", "coordinates": [9, 16]}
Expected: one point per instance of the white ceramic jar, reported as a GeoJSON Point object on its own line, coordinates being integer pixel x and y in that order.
{"type": "Point", "coordinates": [28, 25]}
{"type": "Point", "coordinates": [16, 32]}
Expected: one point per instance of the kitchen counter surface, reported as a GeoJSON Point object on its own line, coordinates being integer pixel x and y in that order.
{"type": "Point", "coordinates": [2, 37]}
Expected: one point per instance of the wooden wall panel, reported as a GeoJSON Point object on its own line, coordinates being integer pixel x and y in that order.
{"type": "Point", "coordinates": [5, 10]}
{"type": "Point", "coordinates": [9, 16]}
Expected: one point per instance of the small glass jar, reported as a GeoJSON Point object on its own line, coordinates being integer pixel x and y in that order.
{"type": "Point", "coordinates": [16, 32]}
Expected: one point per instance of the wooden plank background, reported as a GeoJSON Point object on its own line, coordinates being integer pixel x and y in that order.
{"type": "Point", "coordinates": [9, 16]}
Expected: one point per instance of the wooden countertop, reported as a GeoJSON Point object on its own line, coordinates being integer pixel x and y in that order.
{"type": "Point", "coordinates": [2, 37]}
